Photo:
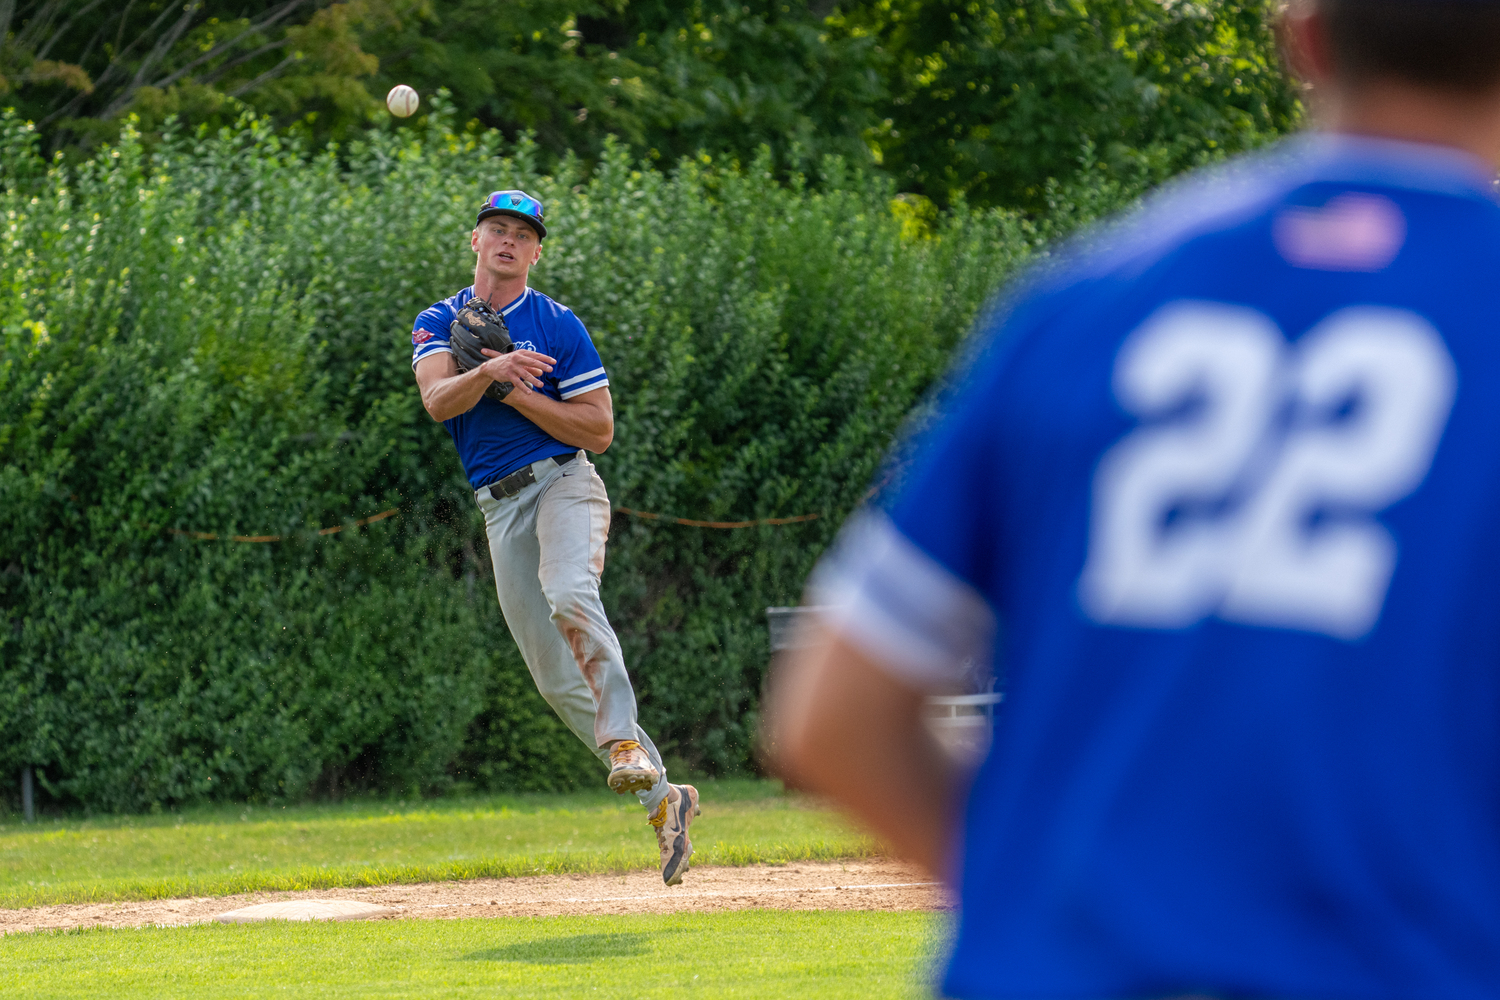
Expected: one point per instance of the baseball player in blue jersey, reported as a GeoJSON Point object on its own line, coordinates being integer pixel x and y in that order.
{"type": "Point", "coordinates": [545, 508]}
{"type": "Point", "coordinates": [1222, 496]}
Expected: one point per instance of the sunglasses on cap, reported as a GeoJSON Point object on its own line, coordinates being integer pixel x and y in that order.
{"type": "Point", "coordinates": [517, 203]}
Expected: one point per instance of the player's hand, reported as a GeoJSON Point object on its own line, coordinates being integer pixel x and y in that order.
{"type": "Point", "coordinates": [523, 369]}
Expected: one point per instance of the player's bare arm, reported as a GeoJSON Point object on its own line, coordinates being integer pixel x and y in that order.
{"type": "Point", "coordinates": [446, 392]}
{"type": "Point", "coordinates": [586, 420]}
{"type": "Point", "coordinates": [842, 725]}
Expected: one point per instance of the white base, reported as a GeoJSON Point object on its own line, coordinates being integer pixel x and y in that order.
{"type": "Point", "coordinates": [305, 909]}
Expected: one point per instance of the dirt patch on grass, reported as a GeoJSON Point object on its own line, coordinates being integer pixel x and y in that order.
{"type": "Point", "coordinates": [873, 884]}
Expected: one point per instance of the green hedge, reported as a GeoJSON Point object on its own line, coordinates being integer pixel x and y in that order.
{"type": "Point", "coordinates": [212, 336]}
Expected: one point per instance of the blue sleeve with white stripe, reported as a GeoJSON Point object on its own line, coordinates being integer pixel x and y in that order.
{"type": "Point", "coordinates": [579, 368]}
{"type": "Point", "coordinates": [429, 334]}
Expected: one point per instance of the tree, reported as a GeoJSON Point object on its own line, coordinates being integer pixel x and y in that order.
{"type": "Point", "coordinates": [990, 98]}
{"type": "Point", "coordinates": [77, 66]}
{"type": "Point", "coordinates": [673, 79]}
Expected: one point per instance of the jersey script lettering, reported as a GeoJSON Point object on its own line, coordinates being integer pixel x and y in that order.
{"type": "Point", "coordinates": [1250, 490]}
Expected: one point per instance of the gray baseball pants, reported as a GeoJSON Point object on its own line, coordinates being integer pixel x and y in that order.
{"type": "Point", "coordinates": [547, 543]}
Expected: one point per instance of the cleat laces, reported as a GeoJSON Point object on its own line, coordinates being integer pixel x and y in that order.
{"type": "Point", "coordinates": [658, 819]}
{"type": "Point", "coordinates": [622, 751]}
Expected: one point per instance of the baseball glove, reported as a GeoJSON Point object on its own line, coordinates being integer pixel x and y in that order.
{"type": "Point", "coordinates": [477, 326]}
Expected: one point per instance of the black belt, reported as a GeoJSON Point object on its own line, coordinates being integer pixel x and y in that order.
{"type": "Point", "coordinates": [523, 477]}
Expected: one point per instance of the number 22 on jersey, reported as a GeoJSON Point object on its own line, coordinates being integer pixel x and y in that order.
{"type": "Point", "coordinates": [1250, 490]}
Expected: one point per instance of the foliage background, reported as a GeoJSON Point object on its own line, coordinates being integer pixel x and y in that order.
{"type": "Point", "coordinates": [982, 98]}
{"type": "Point", "coordinates": [775, 216]}
{"type": "Point", "coordinates": [213, 337]}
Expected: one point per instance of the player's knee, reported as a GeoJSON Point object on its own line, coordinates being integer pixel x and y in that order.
{"type": "Point", "coordinates": [571, 604]}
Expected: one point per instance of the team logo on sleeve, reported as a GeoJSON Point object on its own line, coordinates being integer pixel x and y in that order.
{"type": "Point", "coordinates": [420, 337]}
{"type": "Point", "coordinates": [1251, 488]}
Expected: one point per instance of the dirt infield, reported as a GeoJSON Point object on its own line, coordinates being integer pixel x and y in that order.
{"type": "Point", "coordinates": [873, 884]}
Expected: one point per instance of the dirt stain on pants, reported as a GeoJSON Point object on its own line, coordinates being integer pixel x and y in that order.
{"type": "Point", "coordinates": [547, 544]}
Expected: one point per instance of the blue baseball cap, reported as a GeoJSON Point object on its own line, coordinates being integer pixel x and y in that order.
{"type": "Point", "coordinates": [517, 203]}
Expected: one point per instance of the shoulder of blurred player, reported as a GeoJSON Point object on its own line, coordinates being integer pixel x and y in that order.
{"type": "Point", "coordinates": [1117, 252]}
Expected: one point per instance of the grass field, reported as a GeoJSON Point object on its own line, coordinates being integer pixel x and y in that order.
{"type": "Point", "coordinates": [224, 850]}
{"type": "Point", "coordinates": [750, 953]}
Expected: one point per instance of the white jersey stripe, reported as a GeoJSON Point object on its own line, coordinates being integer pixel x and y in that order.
{"type": "Point", "coordinates": [898, 604]}
{"type": "Point", "coordinates": [516, 304]}
{"type": "Point", "coordinates": [569, 394]}
{"type": "Point", "coordinates": [429, 351]}
{"type": "Point", "coordinates": [580, 378]}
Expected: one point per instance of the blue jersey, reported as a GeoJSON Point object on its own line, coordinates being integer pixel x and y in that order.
{"type": "Point", "coordinates": [1229, 484]}
{"type": "Point", "coordinates": [493, 439]}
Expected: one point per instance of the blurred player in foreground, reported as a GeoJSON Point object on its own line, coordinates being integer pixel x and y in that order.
{"type": "Point", "coordinates": [1230, 484]}
{"type": "Point", "coordinates": [545, 508]}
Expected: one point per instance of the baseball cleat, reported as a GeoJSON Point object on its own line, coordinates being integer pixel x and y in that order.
{"type": "Point", "coordinates": [672, 819]}
{"type": "Point", "coordinates": [630, 770]}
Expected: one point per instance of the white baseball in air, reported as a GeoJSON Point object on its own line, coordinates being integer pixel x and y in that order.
{"type": "Point", "coordinates": [402, 100]}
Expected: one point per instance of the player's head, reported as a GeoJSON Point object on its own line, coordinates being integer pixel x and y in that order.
{"type": "Point", "coordinates": [515, 203]}
{"type": "Point", "coordinates": [507, 237]}
{"type": "Point", "coordinates": [1440, 45]}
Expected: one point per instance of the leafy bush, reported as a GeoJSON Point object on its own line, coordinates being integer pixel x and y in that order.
{"type": "Point", "coordinates": [212, 338]}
